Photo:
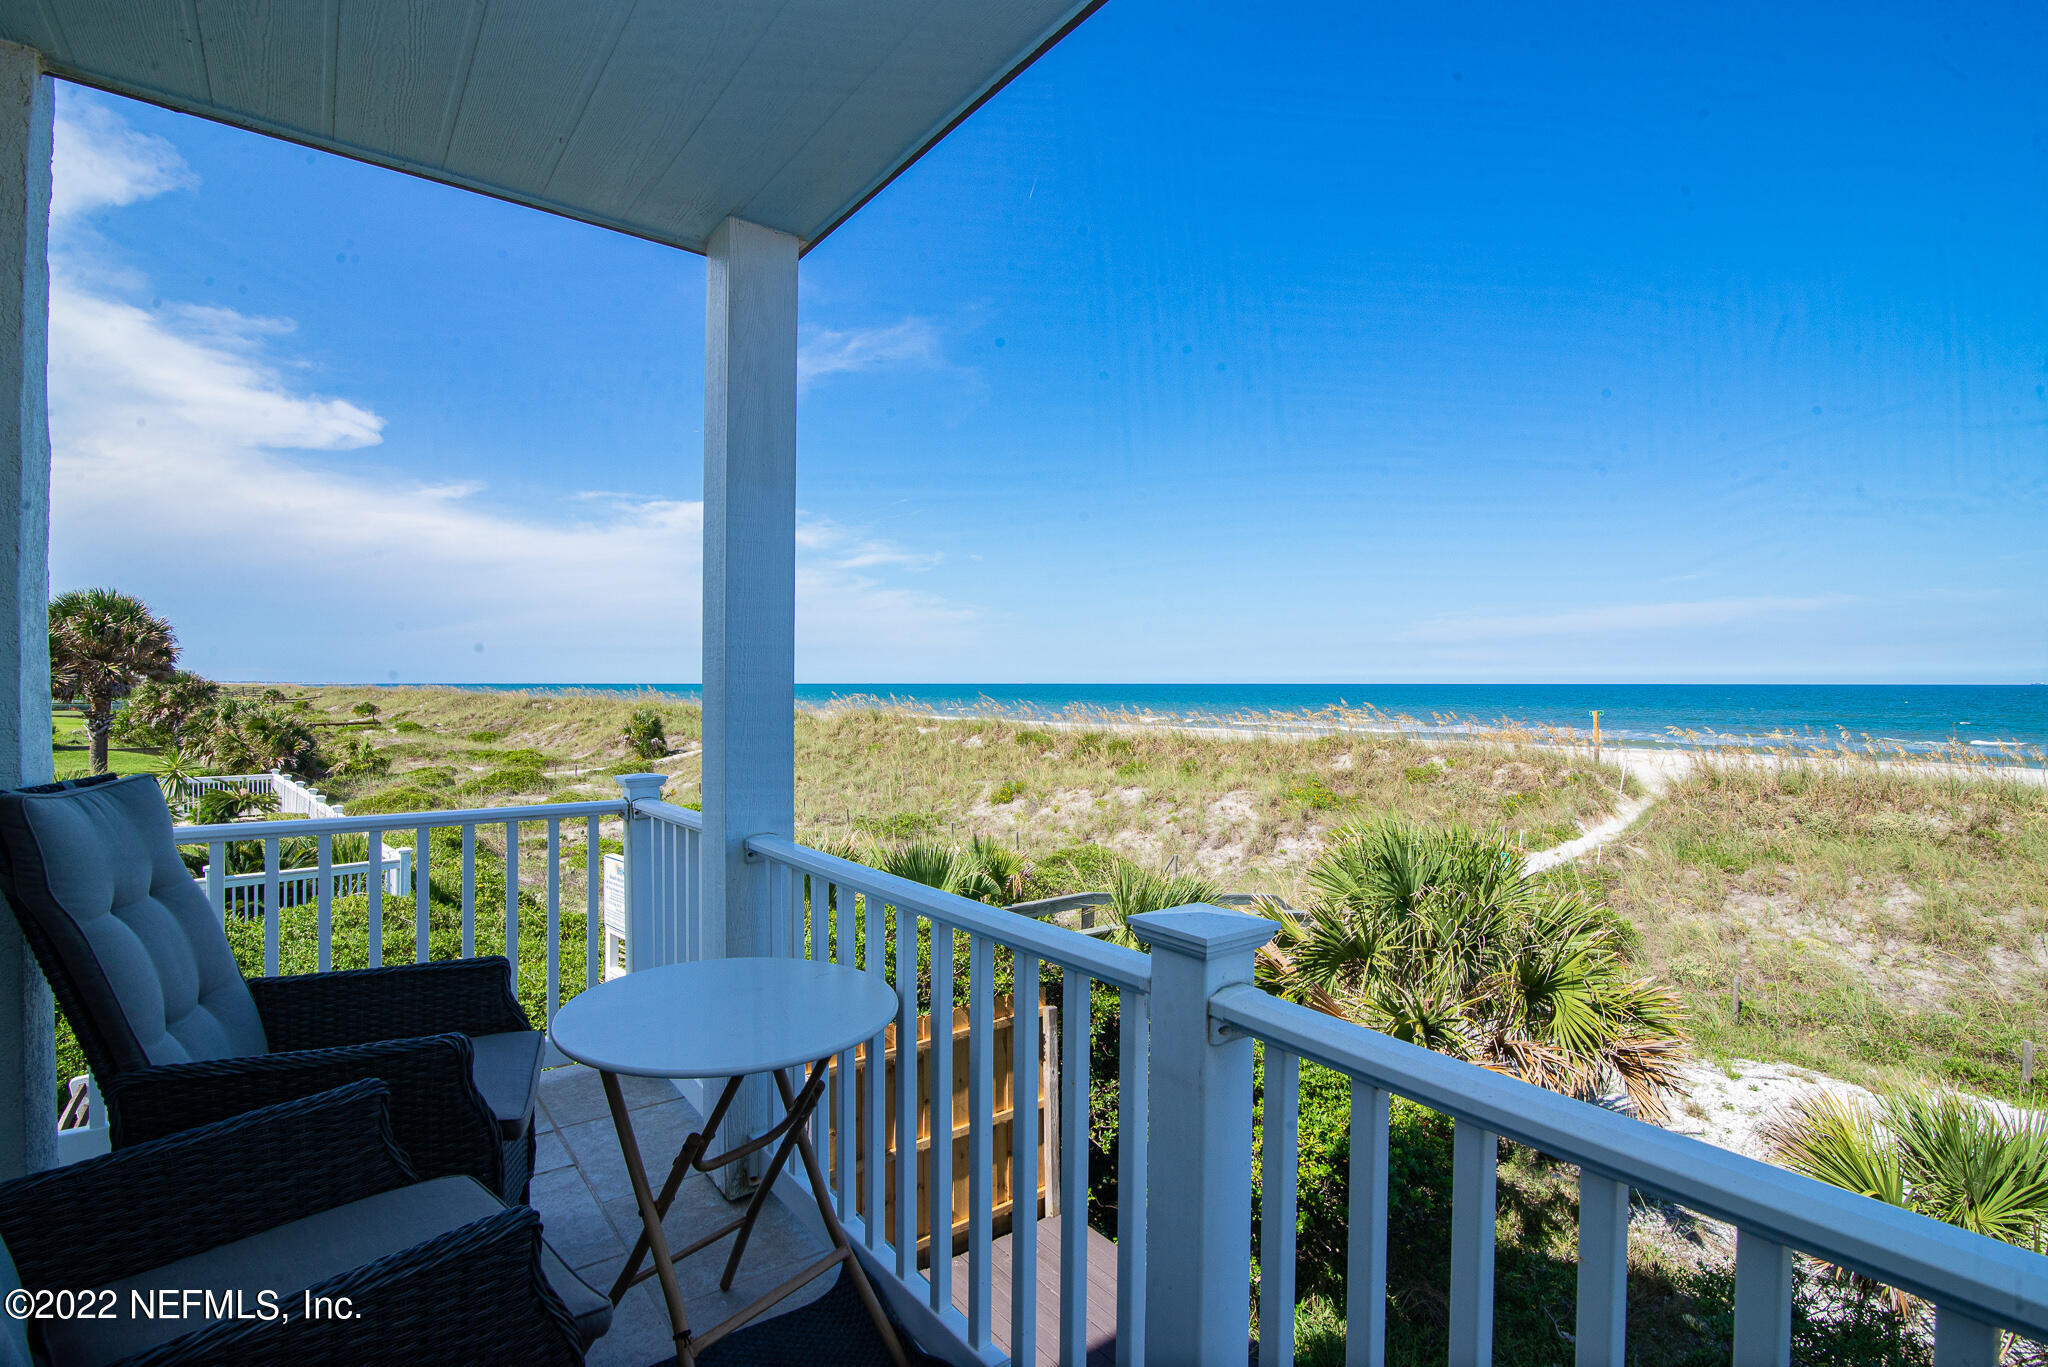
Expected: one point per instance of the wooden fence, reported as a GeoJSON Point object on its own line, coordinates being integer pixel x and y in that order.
{"type": "Point", "coordinates": [1046, 1118]}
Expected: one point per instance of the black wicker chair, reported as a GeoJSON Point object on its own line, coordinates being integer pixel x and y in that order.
{"type": "Point", "coordinates": [308, 1202]}
{"type": "Point", "coordinates": [177, 1037]}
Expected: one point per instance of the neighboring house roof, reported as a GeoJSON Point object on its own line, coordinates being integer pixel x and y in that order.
{"type": "Point", "coordinates": [658, 118]}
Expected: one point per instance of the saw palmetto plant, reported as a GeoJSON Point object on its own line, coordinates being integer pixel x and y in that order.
{"type": "Point", "coordinates": [1438, 936]}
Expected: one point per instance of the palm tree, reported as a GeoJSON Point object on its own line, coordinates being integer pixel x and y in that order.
{"type": "Point", "coordinates": [983, 869]}
{"type": "Point", "coordinates": [102, 644]}
{"type": "Point", "coordinates": [1135, 889]}
{"type": "Point", "coordinates": [169, 712]}
{"type": "Point", "coordinates": [1935, 1152]}
{"type": "Point", "coordinates": [1439, 937]}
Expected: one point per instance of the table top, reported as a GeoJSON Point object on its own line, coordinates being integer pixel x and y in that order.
{"type": "Point", "coordinates": [722, 1017]}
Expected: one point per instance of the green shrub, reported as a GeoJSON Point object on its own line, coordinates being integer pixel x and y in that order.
{"type": "Point", "coordinates": [486, 737]}
{"type": "Point", "coordinates": [1423, 773]}
{"type": "Point", "coordinates": [408, 728]}
{"type": "Point", "coordinates": [1131, 768]}
{"type": "Point", "coordinates": [646, 734]}
{"type": "Point", "coordinates": [1099, 743]}
{"type": "Point", "coordinates": [527, 758]}
{"type": "Point", "coordinates": [1076, 868]}
{"type": "Point", "coordinates": [901, 826]}
{"type": "Point", "coordinates": [1418, 1175]}
{"type": "Point", "coordinates": [1006, 792]}
{"type": "Point", "coordinates": [1312, 793]}
{"type": "Point", "coordinates": [1033, 738]}
{"type": "Point", "coordinates": [360, 759]}
{"type": "Point", "coordinates": [509, 778]}
{"type": "Point", "coordinates": [364, 709]}
{"type": "Point", "coordinates": [400, 799]}
{"type": "Point", "coordinates": [578, 856]}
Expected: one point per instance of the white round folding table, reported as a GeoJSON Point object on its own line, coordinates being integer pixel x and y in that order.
{"type": "Point", "coordinates": [727, 1018]}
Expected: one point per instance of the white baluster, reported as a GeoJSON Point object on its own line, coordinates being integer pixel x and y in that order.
{"type": "Point", "coordinates": [981, 1139]}
{"type": "Point", "coordinates": [1763, 1302]}
{"type": "Point", "coordinates": [1024, 1158]}
{"type": "Point", "coordinates": [323, 896]}
{"type": "Point", "coordinates": [1074, 986]}
{"type": "Point", "coordinates": [1603, 1272]}
{"type": "Point", "coordinates": [1474, 1178]}
{"type": "Point", "coordinates": [422, 895]}
{"type": "Point", "coordinates": [1960, 1341]}
{"type": "Point", "coordinates": [1280, 1165]}
{"type": "Point", "coordinates": [939, 1172]}
{"type": "Point", "coordinates": [1365, 1257]}
{"type": "Point", "coordinates": [593, 902]}
{"type": "Point", "coordinates": [512, 899]}
{"type": "Point", "coordinates": [271, 910]}
{"type": "Point", "coordinates": [554, 983]}
{"type": "Point", "coordinates": [874, 960]}
{"type": "Point", "coordinates": [469, 892]}
{"type": "Point", "coordinates": [1133, 1119]}
{"type": "Point", "coordinates": [216, 877]}
{"type": "Point", "coordinates": [846, 1143]}
{"type": "Point", "coordinates": [906, 1095]}
{"type": "Point", "coordinates": [373, 883]}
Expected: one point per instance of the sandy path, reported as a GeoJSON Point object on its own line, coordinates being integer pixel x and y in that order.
{"type": "Point", "coordinates": [1655, 770]}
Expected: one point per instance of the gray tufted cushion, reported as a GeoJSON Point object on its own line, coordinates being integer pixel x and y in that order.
{"type": "Point", "coordinates": [92, 872]}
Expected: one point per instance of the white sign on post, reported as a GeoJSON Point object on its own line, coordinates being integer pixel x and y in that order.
{"type": "Point", "coordinates": [615, 962]}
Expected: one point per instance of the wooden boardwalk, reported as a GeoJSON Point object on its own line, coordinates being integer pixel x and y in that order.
{"type": "Point", "coordinates": [1101, 1294]}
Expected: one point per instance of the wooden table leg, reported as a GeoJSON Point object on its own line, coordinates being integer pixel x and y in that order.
{"type": "Point", "coordinates": [822, 1194]}
{"type": "Point", "coordinates": [650, 1219]}
{"type": "Point", "coordinates": [693, 1149]}
{"type": "Point", "coordinates": [799, 1114]}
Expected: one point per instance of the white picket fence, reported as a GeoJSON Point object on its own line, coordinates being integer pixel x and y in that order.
{"type": "Point", "coordinates": [242, 894]}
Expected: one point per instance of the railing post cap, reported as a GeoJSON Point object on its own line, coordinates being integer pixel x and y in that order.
{"type": "Point", "coordinates": [638, 787]}
{"type": "Point", "coordinates": [1202, 932]}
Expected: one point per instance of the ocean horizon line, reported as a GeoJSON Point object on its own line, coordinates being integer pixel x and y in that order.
{"type": "Point", "coordinates": [1976, 718]}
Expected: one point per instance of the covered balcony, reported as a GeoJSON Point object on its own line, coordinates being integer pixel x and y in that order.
{"type": "Point", "coordinates": [746, 133]}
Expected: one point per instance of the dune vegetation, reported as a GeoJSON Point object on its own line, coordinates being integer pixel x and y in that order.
{"type": "Point", "coordinates": [1887, 926]}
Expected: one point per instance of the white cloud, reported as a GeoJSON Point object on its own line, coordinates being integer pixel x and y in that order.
{"type": "Point", "coordinates": [179, 439]}
{"type": "Point", "coordinates": [912, 342]}
{"type": "Point", "coordinates": [101, 163]}
{"type": "Point", "coordinates": [1628, 617]}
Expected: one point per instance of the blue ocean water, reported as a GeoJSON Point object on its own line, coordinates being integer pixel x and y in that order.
{"type": "Point", "coordinates": [1988, 718]}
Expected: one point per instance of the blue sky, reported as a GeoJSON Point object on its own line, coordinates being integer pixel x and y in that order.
{"type": "Point", "coordinates": [1325, 343]}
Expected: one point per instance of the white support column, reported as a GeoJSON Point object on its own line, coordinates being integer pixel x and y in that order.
{"type": "Point", "coordinates": [1198, 1205]}
{"type": "Point", "coordinates": [28, 1084]}
{"type": "Point", "coordinates": [750, 275]}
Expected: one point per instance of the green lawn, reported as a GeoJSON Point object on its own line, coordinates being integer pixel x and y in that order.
{"type": "Point", "coordinates": [72, 752]}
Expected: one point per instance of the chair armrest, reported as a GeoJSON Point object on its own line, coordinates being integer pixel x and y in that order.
{"type": "Point", "coordinates": [440, 1120]}
{"type": "Point", "coordinates": [474, 1294]}
{"type": "Point", "coordinates": [121, 1213]}
{"type": "Point", "coordinates": [362, 1005]}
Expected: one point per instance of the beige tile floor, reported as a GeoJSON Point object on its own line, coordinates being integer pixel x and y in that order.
{"type": "Point", "coordinates": [588, 1213]}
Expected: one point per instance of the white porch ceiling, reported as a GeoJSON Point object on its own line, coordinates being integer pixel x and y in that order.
{"type": "Point", "coordinates": [658, 118]}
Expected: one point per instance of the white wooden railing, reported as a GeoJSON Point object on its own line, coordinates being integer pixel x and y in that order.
{"type": "Point", "coordinates": [1978, 1286]}
{"type": "Point", "coordinates": [869, 904]}
{"type": "Point", "coordinates": [242, 894]}
{"type": "Point", "coordinates": [293, 797]}
{"type": "Point", "coordinates": [510, 821]}
{"type": "Point", "coordinates": [662, 920]}
{"type": "Point", "coordinates": [666, 881]}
